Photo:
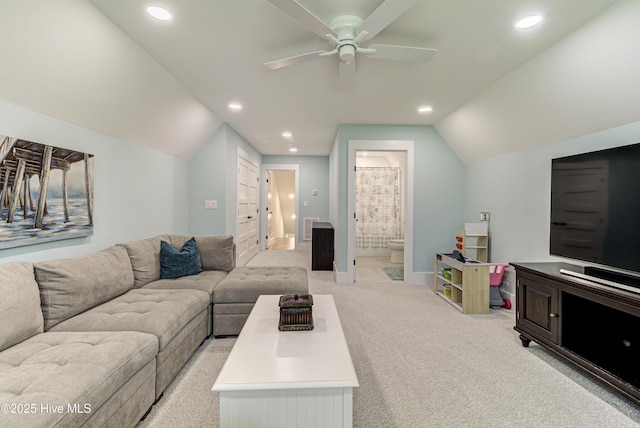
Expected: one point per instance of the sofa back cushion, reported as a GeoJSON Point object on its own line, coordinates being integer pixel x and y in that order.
{"type": "Point", "coordinates": [20, 313]}
{"type": "Point", "coordinates": [145, 259]}
{"type": "Point", "coordinates": [70, 286]}
{"type": "Point", "coordinates": [217, 252]}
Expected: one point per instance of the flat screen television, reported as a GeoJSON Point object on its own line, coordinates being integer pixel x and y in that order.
{"type": "Point", "coordinates": [595, 207]}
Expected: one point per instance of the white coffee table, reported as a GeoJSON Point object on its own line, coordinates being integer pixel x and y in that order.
{"type": "Point", "coordinates": [291, 378]}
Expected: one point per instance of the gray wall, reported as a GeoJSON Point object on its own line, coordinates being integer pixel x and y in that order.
{"type": "Point", "coordinates": [439, 191]}
{"type": "Point", "coordinates": [138, 192]}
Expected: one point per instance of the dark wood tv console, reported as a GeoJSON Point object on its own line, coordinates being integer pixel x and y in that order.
{"type": "Point", "coordinates": [592, 325]}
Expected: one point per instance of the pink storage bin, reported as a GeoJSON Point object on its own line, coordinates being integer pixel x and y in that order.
{"type": "Point", "coordinates": [496, 270]}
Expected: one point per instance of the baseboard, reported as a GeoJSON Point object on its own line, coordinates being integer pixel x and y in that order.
{"type": "Point", "coordinates": [418, 278]}
{"type": "Point", "coordinates": [413, 278]}
{"type": "Point", "coordinates": [341, 278]}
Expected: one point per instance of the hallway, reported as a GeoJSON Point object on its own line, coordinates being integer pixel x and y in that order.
{"type": "Point", "coordinates": [283, 243]}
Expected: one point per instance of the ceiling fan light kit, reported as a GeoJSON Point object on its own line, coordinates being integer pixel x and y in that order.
{"type": "Point", "coordinates": [346, 32]}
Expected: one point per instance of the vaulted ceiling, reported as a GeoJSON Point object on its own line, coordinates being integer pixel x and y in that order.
{"type": "Point", "coordinates": [108, 66]}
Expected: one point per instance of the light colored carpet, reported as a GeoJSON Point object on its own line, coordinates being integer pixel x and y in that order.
{"type": "Point", "coordinates": [421, 363]}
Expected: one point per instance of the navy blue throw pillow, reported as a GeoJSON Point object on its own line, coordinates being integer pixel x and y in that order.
{"type": "Point", "coordinates": [177, 263]}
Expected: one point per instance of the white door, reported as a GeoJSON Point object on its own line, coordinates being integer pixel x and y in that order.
{"type": "Point", "coordinates": [247, 220]}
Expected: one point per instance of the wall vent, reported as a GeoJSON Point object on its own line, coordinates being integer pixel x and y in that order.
{"type": "Point", "coordinates": [308, 225]}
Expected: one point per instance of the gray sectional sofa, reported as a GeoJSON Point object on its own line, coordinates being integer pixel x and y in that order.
{"type": "Point", "coordinates": [95, 340]}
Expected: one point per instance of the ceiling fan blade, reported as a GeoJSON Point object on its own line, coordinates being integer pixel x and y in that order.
{"type": "Point", "coordinates": [347, 74]}
{"type": "Point", "coordinates": [402, 53]}
{"type": "Point", "coordinates": [304, 16]}
{"type": "Point", "coordinates": [385, 14]}
{"type": "Point", "coordinates": [285, 62]}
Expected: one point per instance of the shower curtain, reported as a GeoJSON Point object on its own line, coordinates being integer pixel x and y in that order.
{"type": "Point", "coordinates": [377, 206]}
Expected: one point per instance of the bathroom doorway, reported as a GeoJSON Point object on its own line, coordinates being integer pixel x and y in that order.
{"type": "Point", "coordinates": [381, 198]}
{"type": "Point", "coordinates": [380, 194]}
{"type": "Point", "coordinates": [280, 219]}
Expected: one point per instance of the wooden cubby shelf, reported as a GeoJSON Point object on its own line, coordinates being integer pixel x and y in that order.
{"type": "Point", "coordinates": [469, 283]}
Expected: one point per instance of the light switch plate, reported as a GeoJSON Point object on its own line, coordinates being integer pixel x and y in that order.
{"type": "Point", "coordinates": [484, 216]}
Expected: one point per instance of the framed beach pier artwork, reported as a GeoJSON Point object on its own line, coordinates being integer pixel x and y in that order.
{"type": "Point", "coordinates": [46, 193]}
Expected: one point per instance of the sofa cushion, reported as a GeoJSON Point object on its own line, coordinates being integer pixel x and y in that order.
{"type": "Point", "coordinates": [62, 369]}
{"type": "Point", "coordinates": [204, 281]}
{"type": "Point", "coordinates": [162, 313]}
{"type": "Point", "coordinates": [245, 283]}
{"type": "Point", "coordinates": [71, 286]}
{"type": "Point", "coordinates": [176, 263]}
{"type": "Point", "coordinates": [145, 259]}
{"type": "Point", "coordinates": [20, 313]}
{"type": "Point", "coordinates": [216, 251]}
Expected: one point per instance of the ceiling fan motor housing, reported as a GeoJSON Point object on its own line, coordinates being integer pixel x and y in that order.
{"type": "Point", "coordinates": [345, 27]}
{"type": "Point", "coordinates": [346, 32]}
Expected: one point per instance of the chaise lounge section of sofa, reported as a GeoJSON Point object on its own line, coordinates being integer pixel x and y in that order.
{"type": "Point", "coordinates": [63, 379]}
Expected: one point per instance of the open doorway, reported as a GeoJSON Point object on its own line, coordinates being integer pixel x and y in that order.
{"type": "Point", "coordinates": [380, 190]}
{"type": "Point", "coordinates": [280, 221]}
{"type": "Point", "coordinates": [391, 242]}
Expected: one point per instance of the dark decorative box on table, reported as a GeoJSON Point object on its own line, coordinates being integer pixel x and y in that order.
{"type": "Point", "coordinates": [296, 312]}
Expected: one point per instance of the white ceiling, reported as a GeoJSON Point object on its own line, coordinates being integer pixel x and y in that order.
{"type": "Point", "coordinates": [167, 85]}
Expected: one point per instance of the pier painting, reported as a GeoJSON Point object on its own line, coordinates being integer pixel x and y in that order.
{"type": "Point", "coordinates": [46, 193]}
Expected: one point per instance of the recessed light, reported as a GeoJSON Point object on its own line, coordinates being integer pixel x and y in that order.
{"type": "Point", "coordinates": [159, 13]}
{"type": "Point", "coordinates": [235, 106]}
{"type": "Point", "coordinates": [425, 109]}
{"type": "Point", "coordinates": [528, 22]}
{"type": "Point", "coordinates": [287, 134]}
{"type": "Point", "coordinates": [293, 149]}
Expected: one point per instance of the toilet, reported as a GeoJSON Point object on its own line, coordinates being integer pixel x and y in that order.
{"type": "Point", "coordinates": [396, 246]}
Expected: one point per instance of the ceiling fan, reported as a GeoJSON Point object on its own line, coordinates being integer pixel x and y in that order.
{"type": "Point", "coordinates": [346, 32]}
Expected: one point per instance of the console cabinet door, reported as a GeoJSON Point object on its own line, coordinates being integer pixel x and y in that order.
{"type": "Point", "coordinates": [537, 310]}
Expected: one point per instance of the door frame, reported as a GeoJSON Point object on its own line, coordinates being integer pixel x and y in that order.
{"type": "Point", "coordinates": [381, 146]}
{"type": "Point", "coordinates": [263, 205]}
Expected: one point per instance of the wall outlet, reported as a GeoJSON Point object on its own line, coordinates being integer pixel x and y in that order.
{"type": "Point", "coordinates": [484, 216]}
{"type": "Point", "coordinates": [210, 205]}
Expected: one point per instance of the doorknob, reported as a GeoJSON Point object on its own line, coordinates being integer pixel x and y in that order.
{"type": "Point", "coordinates": [249, 217]}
